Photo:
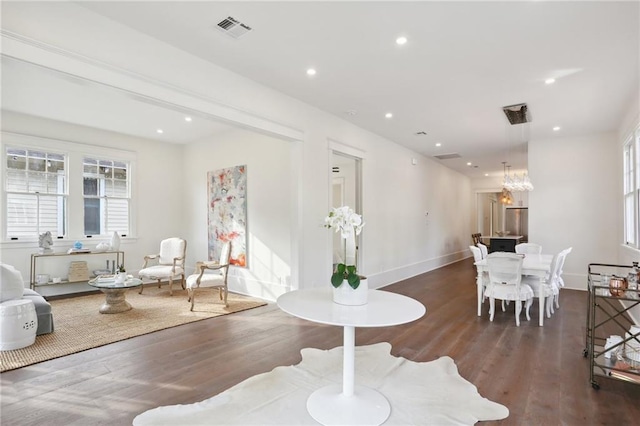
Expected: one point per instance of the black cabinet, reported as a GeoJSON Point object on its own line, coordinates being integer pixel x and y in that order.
{"type": "Point", "coordinates": [503, 244]}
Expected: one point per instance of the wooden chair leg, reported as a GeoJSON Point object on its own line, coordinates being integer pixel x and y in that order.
{"type": "Point", "coordinates": [192, 297]}
{"type": "Point", "coordinates": [226, 293]}
{"type": "Point", "coordinates": [141, 287]}
{"type": "Point", "coordinates": [170, 286]}
{"type": "Point", "coordinates": [182, 282]}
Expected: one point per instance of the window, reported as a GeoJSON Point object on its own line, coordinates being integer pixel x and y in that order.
{"type": "Point", "coordinates": [631, 153]}
{"type": "Point", "coordinates": [74, 190]}
{"type": "Point", "coordinates": [106, 196]}
{"type": "Point", "coordinates": [36, 193]}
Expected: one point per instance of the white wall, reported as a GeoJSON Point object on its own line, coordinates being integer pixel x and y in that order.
{"type": "Point", "coordinates": [268, 162]}
{"type": "Point", "coordinates": [399, 240]}
{"type": "Point", "coordinates": [576, 201]}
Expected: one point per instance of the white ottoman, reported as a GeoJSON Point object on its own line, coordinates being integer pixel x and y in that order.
{"type": "Point", "coordinates": [18, 324]}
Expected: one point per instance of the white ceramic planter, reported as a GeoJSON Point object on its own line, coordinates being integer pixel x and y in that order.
{"type": "Point", "coordinates": [345, 295]}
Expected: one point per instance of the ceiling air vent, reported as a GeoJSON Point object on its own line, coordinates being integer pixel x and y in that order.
{"type": "Point", "coordinates": [232, 27]}
{"type": "Point", "coordinates": [517, 114]}
{"type": "Point", "coordinates": [447, 156]}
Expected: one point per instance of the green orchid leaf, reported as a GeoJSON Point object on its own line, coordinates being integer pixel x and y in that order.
{"type": "Point", "coordinates": [351, 269]}
{"type": "Point", "coordinates": [336, 279]}
{"type": "Point", "coordinates": [354, 281]}
{"type": "Point", "coordinates": [341, 268]}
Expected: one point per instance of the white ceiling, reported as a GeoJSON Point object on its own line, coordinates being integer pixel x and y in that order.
{"type": "Point", "coordinates": [463, 62]}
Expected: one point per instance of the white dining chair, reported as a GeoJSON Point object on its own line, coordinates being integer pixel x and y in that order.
{"type": "Point", "coordinates": [484, 279]}
{"type": "Point", "coordinates": [563, 256]}
{"type": "Point", "coordinates": [505, 276]}
{"type": "Point", "coordinates": [550, 286]}
{"type": "Point", "coordinates": [528, 248]}
{"type": "Point", "coordinates": [484, 250]}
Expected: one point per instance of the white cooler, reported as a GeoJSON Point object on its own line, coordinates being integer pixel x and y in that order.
{"type": "Point", "coordinates": [18, 324]}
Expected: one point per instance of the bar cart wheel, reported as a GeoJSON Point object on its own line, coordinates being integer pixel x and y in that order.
{"type": "Point", "coordinates": [595, 385]}
{"type": "Point", "coordinates": [585, 352]}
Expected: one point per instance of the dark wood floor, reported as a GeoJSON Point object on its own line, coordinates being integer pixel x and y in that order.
{"type": "Point", "coordinates": [539, 373]}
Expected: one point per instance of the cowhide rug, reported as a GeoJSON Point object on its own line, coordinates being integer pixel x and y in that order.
{"type": "Point", "coordinates": [420, 393]}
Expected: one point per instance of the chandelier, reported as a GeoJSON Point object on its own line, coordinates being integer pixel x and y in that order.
{"type": "Point", "coordinates": [516, 183]}
{"type": "Point", "coordinates": [506, 197]}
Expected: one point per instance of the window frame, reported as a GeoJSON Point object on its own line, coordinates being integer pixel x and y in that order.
{"type": "Point", "coordinates": [75, 153]}
{"type": "Point", "coordinates": [38, 196]}
{"type": "Point", "coordinates": [631, 190]}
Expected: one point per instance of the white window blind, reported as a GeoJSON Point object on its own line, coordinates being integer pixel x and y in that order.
{"type": "Point", "coordinates": [36, 192]}
{"type": "Point", "coordinates": [106, 196]}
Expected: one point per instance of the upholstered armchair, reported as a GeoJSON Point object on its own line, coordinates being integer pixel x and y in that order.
{"type": "Point", "coordinates": [166, 265]}
{"type": "Point", "coordinates": [211, 275]}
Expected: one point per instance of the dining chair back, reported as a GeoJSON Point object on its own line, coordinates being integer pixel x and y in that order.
{"type": "Point", "coordinates": [484, 250]}
{"type": "Point", "coordinates": [477, 254]}
{"type": "Point", "coordinates": [560, 281]}
{"type": "Point", "coordinates": [505, 283]}
{"type": "Point", "coordinates": [528, 248]}
{"type": "Point", "coordinates": [549, 285]}
{"type": "Point", "coordinates": [481, 281]}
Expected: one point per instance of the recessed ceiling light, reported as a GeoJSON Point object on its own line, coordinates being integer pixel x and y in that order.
{"type": "Point", "coordinates": [468, 164]}
{"type": "Point", "coordinates": [311, 72]}
{"type": "Point", "coordinates": [401, 40]}
{"type": "Point", "coordinates": [486, 174]}
{"type": "Point", "coordinates": [438, 144]}
{"type": "Point", "coordinates": [388, 115]}
{"type": "Point", "coordinates": [187, 119]}
{"type": "Point", "coordinates": [160, 131]}
{"type": "Point", "coordinates": [555, 129]}
{"type": "Point", "coordinates": [550, 81]}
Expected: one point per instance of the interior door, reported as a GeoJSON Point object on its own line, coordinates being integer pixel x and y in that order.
{"type": "Point", "coordinates": [345, 191]}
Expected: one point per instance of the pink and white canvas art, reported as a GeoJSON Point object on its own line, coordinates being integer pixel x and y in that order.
{"type": "Point", "coordinates": [227, 219]}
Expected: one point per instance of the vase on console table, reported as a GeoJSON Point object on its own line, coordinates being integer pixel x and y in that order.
{"type": "Point", "coordinates": [115, 241]}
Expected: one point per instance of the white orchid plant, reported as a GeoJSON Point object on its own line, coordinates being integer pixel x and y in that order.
{"type": "Point", "coordinates": [349, 224]}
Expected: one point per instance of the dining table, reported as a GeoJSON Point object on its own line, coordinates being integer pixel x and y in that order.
{"type": "Point", "coordinates": [537, 265]}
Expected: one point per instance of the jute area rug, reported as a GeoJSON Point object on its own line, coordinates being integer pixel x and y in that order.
{"type": "Point", "coordinates": [429, 393]}
{"type": "Point", "coordinates": [79, 326]}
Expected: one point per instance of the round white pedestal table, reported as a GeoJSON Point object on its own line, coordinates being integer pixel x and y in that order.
{"type": "Point", "coordinates": [350, 404]}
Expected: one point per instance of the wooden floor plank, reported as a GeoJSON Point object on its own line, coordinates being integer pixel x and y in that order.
{"type": "Point", "coordinates": [540, 374]}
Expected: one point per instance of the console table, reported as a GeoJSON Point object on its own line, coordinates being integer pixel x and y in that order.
{"type": "Point", "coordinates": [350, 404]}
{"type": "Point", "coordinates": [117, 256]}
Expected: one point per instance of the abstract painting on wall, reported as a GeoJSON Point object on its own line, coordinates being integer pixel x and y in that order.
{"type": "Point", "coordinates": [227, 220]}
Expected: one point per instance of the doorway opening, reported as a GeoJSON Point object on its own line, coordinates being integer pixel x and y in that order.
{"type": "Point", "coordinates": [346, 190]}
